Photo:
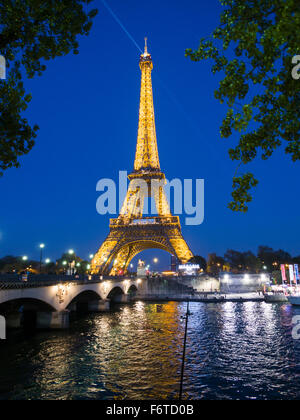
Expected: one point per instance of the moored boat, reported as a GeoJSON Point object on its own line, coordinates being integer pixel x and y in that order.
{"type": "Point", "coordinates": [294, 300]}
{"type": "Point", "coordinates": [275, 297]}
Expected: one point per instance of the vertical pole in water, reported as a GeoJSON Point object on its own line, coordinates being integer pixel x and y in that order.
{"type": "Point", "coordinates": [184, 349]}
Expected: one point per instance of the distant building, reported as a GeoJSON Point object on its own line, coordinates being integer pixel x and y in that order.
{"type": "Point", "coordinates": [243, 283]}
{"type": "Point", "coordinates": [141, 269]}
{"type": "Point", "coordinates": [189, 269]}
{"type": "Point", "coordinates": [174, 263]}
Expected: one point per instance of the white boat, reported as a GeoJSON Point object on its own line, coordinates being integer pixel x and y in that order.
{"type": "Point", "coordinates": [294, 300]}
{"type": "Point", "coordinates": [275, 297]}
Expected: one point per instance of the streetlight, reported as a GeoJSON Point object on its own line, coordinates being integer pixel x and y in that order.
{"type": "Point", "coordinates": [42, 246]}
{"type": "Point", "coordinates": [25, 258]}
{"type": "Point", "coordinates": [48, 261]}
{"type": "Point", "coordinates": [91, 256]}
{"type": "Point", "coordinates": [64, 263]}
{"type": "Point", "coordinates": [155, 260]}
{"type": "Point", "coordinates": [71, 252]}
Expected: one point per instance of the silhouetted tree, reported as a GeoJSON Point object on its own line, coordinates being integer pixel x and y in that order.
{"type": "Point", "coordinates": [68, 261]}
{"type": "Point", "coordinates": [16, 265]}
{"type": "Point", "coordinates": [235, 259]}
{"type": "Point", "coordinates": [197, 259]}
{"type": "Point", "coordinates": [271, 258]}
{"type": "Point", "coordinates": [215, 263]}
{"type": "Point", "coordinates": [253, 47]}
{"type": "Point", "coordinates": [32, 32]}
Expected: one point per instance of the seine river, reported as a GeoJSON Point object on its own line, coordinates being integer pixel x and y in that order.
{"type": "Point", "coordinates": [234, 351]}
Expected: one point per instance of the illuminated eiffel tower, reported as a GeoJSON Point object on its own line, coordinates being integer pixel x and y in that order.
{"type": "Point", "coordinates": [131, 233]}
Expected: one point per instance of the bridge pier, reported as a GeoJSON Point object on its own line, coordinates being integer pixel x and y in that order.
{"type": "Point", "coordinates": [13, 320]}
{"type": "Point", "coordinates": [72, 307]}
{"type": "Point", "coordinates": [99, 305]}
{"type": "Point", "coordinates": [121, 298]}
{"type": "Point", "coordinates": [53, 320]}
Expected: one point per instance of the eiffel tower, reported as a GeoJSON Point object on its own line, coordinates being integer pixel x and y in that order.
{"type": "Point", "coordinates": [131, 233]}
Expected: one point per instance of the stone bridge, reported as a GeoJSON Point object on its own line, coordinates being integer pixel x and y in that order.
{"type": "Point", "coordinates": [52, 301]}
{"type": "Point", "coordinates": [48, 301]}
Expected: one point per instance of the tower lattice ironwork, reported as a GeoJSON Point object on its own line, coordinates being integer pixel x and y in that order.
{"type": "Point", "coordinates": [131, 233]}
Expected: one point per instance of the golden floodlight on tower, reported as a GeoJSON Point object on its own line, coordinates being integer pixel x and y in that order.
{"type": "Point", "coordinates": [131, 233]}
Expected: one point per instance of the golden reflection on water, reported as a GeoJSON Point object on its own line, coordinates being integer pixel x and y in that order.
{"type": "Point", "coordinates": [128, 346]}
{"type": "Point", "coordinates": [234, 350]}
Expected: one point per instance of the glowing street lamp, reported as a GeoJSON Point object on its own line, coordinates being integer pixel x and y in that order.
{"type": "Point", "coordinates": [25, 258]}
{"type": "Point", "coordinates": [48, 261]}
{"type": "Point", "coordinates": [65, 263]}
{"type": "Point", "coordinates": [71, 252]}
{"type": "Point", "coordinates": [91, 256]}
{"type": "Point", "coordinates": [42, 246]}
{"type": "Point", "coordinates": [155, 260]}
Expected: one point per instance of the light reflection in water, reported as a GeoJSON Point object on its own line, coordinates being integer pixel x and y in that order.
{"type": "Point", "coordinates": [234, 350]}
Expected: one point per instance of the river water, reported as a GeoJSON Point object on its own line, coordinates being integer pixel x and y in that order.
{"type": "Point", "coordinates": [234, 351]}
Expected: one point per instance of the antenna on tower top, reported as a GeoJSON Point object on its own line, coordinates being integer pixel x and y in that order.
{"type": "Point", "coordinates": [146, 45]}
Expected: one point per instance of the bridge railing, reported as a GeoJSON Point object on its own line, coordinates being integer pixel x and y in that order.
{"type": "Point", "coordinates": [21, 281]}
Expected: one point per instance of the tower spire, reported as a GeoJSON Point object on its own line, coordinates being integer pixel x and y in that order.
{"type": "Point", "coordinates": [132, 233]}
{"type": "Point", "coordinates": [146, 158]}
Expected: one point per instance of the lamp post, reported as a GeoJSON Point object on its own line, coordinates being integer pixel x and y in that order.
{"type": "Point", "coordinates": [64, 263]}
{"type": "Point", "coordinates": [71, 252]}
{"type": "Point", "coordinates": [42, 246]}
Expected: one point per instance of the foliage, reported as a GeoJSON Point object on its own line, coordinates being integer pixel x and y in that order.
{"type": "Point", "coordinates": [32, 32]}
{"type": "Point", "coordinates": [253, 47]}
{"type": "Point", "coordinates": [197, 259]}
{"type": "Point", "coordinates": [67, 261]}
{"type": "Point", "coordinates": [271, 258]}
{"type": "Point", "coordinates": [10, 264]}
{"type": "Point", "coordinates": [242, 261]}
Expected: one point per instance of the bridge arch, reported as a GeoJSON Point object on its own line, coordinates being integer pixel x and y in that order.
{"type": "Point", "coordinates": [25, 312]}
{"type": "Point", "coordinates": [85, 296]}
{"type": "Point", "coordinates": [81, 301]}
{"type": "Point", "coordinates": [116, 294]}
{"type": "Point", "coordinates": [25, 303]}
{"type": "Point", "coordinates": [124, 254]}
{"type": "Point", "coordinates": [132, 291]}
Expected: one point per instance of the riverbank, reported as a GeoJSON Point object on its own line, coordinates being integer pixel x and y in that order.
{"type": "Point", "coordinates": [205, 298]}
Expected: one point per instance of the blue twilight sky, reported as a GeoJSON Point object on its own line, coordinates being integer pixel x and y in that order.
{"type": "Point", "coordinates": [87, 110]}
